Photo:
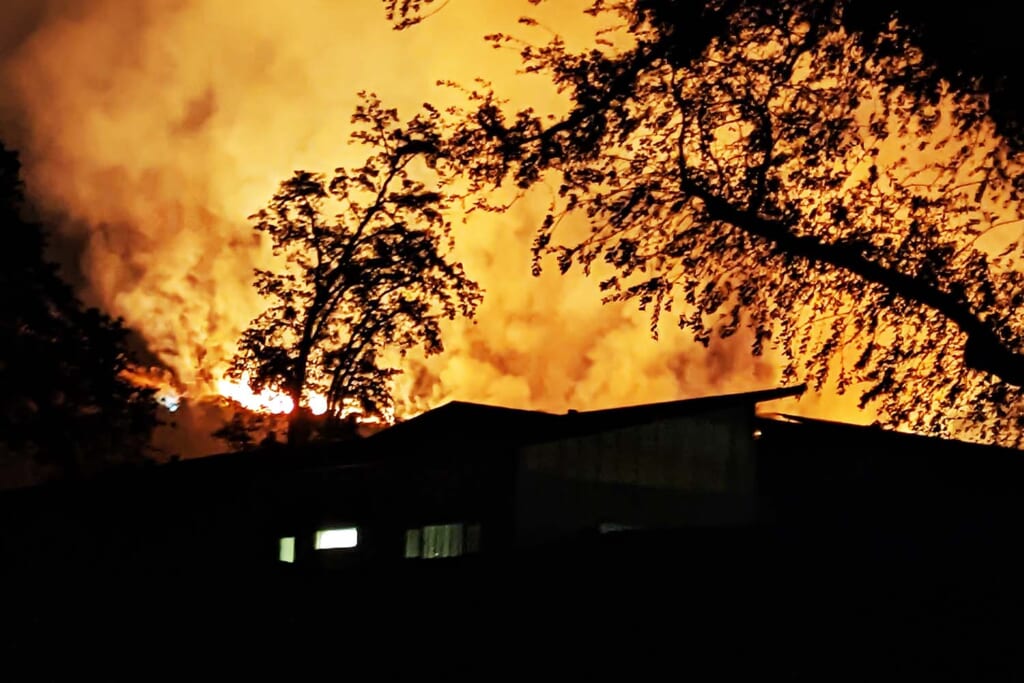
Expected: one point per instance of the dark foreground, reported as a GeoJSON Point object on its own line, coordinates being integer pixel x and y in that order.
{"type": "Point", "coordinates": [688, 606]}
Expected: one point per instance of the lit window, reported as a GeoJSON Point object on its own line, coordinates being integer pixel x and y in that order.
{"type": "Point", "coordinates": [328, 539]}
{"type": "Point", "coordinates": [412, 543]}
{"type": "Point", "coordinates": [286, 549]}
{"type": "Point", "coordinates": [442, 540]}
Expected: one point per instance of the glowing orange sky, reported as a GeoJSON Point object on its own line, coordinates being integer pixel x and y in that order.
{"type": "Point", "coordinates": [157, 127]}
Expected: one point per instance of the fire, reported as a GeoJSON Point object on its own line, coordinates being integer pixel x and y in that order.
{"type": "Point", "coordinates": [317, 404]}
{"type": "Point", "coordinates": [267, 400]}
{"type": "Point", "coordinates": [271, 402]}
{"type": "Point", "coordinates": [155, 128]}
{"type": "Point", "coordinates": [170, 395]}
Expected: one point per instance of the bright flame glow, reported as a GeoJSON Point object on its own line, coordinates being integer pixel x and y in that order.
{"type": "Point", "coordinates": [268, 400]}
{"type": "Point", "coordinates": [317, 404]}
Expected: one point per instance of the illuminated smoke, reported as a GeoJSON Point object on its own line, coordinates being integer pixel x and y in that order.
{"type": "Point", "coordinates": [153, 129]}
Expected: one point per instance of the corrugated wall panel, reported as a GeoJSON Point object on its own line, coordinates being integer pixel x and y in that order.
{"type": "Point", "coordinates": [704, 453]}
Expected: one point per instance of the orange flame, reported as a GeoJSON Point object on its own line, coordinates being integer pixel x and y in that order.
{"type": "Point", "coordinates": [266, 401]}
{"type": "Point", "coordinates": [272, 402]}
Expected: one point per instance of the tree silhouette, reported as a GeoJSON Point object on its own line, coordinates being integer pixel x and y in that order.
{"type": "Point", "coordinates": [405, 13]}
{"type": "Point", "coordinates": [240, 430]}
{"type": "Point", "coordinates": [64, 403]}
{"type": "Point", "coordinates": [364, 269]}
{"type": "Point", "coordinates": [973, 50]}
{"type": "Point", "coordinates": [766, 165]}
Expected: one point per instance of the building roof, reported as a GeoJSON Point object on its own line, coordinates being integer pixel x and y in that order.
{"type": "Point", "coordinates": [577, 423]}
{"type": "Point", "coordinates": [461, 422]}
{"type": "Point", "coordinates": [810, 451]}
{"type": "Point", "coordinates": [910, 443]}
{"type": "Point", "coordinates": [447, 428]}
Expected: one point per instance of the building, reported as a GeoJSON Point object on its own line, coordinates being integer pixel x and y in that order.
{"type": "Point", "coordinates": [475, 481]}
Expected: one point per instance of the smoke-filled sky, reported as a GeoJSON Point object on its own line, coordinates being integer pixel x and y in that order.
{"type": "Point", "coordinates": [152, 129]}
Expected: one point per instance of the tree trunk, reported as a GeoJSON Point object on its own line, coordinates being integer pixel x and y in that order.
{"type": "Point", "coordinates": [299, 426]}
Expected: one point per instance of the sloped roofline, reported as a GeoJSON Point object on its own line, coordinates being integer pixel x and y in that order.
{"type": "Point", "coordinates": [698, 403]}
{"type": "Point", "coordinates": [701, 403]}
{"type": "Point", "coordinates": [466, 420]}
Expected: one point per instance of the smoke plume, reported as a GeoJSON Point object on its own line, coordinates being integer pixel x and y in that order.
{"type": "Point", "coordinates": [151, 130]}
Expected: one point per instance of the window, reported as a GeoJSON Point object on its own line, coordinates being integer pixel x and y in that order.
{"type": "Point", "coordinates": [344, 537]}
{"type": "Point", "coordinates": [286, 549]}
{"type": "Point", "coordinates": [412, 543]}
{"type": "Point", "coordinates": [442, 540]}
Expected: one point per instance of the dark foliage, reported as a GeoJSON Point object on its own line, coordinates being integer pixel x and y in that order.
{"type": "Point", "coordinates": [973, 47]}
{"type": "Point", "coordinates": [240, 431]}
{"type": "Point", "coordinates": [364, 270]}
{"type": "Point", "coordinates": [65, 403]}
{"type": "Point", "coordinates": [405, 13]}
{"type": "Point", "coordinates": [803, 169]}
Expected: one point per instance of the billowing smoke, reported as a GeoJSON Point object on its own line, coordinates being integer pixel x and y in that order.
{"type": "Point", "coordinates": [153, 129]}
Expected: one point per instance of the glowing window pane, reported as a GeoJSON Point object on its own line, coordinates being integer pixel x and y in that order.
{"type": "Point", "coordinates": [442, 540]}
{"type": "Point", "coordinates": [412, 543]}
{"type": "Point", "coordinates": [347, 537]}
{"type": "Point", "coordinates": [286, 549]}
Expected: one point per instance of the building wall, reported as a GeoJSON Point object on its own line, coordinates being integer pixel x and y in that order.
{"type": "Point", "coordinates": [836, 476]}
{"type": "Point", "coordinates": [469, 486]}
{"type": "Point", "coordinates": [695, 470]}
